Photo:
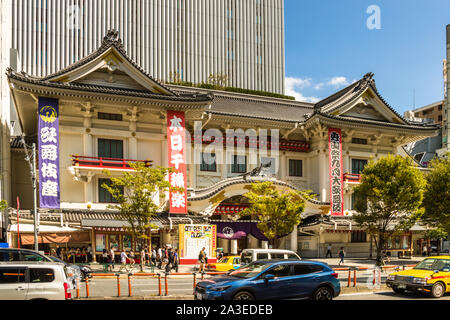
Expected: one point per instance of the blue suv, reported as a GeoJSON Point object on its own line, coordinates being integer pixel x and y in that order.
{"type": "Point", "coordinates": [273, 279]}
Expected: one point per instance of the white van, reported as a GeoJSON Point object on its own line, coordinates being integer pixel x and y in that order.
{"type": "Point", "coordinates": [250, 255]}
{"type": "Point", "coordinates": [34, 281]}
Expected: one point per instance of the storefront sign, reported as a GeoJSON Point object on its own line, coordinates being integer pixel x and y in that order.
{"type": "Point", "coordinates": [336, 174]}
{"type": "Point", "coordinates": [192, 238]}
{"type": "Point", "coordinates": [48, 135]}
{"type": "Point", "coordinates": [100, 242]}
{"type": "Point", "coordinates": [176, 144]}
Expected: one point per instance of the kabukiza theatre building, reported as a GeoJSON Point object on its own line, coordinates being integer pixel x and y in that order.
{"type": "Point", "coordinates": [104, 112]}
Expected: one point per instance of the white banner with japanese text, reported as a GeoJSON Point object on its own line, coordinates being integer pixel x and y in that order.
{"type": "Point", "coordinates": [336, 174]}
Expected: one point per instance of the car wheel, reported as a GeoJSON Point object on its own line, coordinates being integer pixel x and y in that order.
{"type": "Point", "coordinates": [399, 291]}
{"type": "Point", "coordinates": [323, 293]}
{"type": "Point", "coordinates": [437, 290]}
{"type": "Point", "coordinates": [243, 295]}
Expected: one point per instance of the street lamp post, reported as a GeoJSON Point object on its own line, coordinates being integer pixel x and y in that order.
{"type": "Point", "coordinates": [34, 184]}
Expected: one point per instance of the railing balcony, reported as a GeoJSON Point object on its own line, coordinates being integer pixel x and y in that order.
{"type": "Point", "coordinates": [352, 178]}
{"type": "Point", "coordinates": [106, 163]}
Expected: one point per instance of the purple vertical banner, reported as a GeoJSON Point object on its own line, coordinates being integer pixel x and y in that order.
{"type": "Point", "coordinates": [48, 135]}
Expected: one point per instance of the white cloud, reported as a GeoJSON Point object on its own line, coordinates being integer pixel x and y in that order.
{"type": "Point", "coordinates": [293, 85]}
{"type": "Point", "coordinates": [339, 82]}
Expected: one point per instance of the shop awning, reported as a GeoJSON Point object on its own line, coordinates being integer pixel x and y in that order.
{"type": "Point", "coordinates": [74, 237]}
{"type": "Point", "coordinates": [97, 223]}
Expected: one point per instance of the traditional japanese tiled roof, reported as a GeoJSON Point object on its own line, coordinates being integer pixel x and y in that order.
{"type": "Point", "coordinates": [107, 90]}
{"type": "Point", "coordinates": [207, 193]}
{"type": "Point", "coordinates": [111, 40]}
{"type": "Point", "coordinates": [253, 107]}
{"type": "Point", "coordinates": [75, 216]}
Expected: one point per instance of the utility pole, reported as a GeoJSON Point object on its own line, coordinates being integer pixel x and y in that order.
{"type": "Point", "coordinates": [32, 163]}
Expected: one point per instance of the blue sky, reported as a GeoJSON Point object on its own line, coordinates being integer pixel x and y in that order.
{"type": "Point", "coordinates": [328, 46]}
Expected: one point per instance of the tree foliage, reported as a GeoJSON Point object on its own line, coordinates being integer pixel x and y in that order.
{"type": "Point", "coordinates": [436, 200]}
{"type": "Point", "coordinates": [277, 211]}
{"type": "Point", "coordinates": [389, 197]}
{"type": "Point", "coordinates": [3, 205]}
{"type": "Point", "coordinates": [134, 193]}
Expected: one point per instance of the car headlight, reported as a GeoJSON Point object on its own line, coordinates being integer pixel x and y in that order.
{"type": "Point", "coordinates": [391, 277]}
{"type": "Point", "coordinates": [223, 288]}
{"type": "Point", "coordinates": [420, 280]}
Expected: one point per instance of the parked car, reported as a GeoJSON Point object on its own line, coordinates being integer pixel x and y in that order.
{"type": "Point", "coordinates": [34, 281]}
{"type": "Point", "coordinates": [81, 271]}
{"type": "Point", "coordinates": [273, 279]}
{"type": "Point", "coordinates": [228, 263]}
{"type": "Point", "coordinates": [431, 275]}
{"type": "Point", "coordinates": [15, 254]}
{"type": "Point", "coordinates": [250, 255]}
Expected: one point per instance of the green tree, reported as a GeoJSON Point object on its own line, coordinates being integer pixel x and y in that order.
{"type": "Point", "coordinates": [3, 205]}
{"type": "Point", "coordinates": [277, 211]}
{"type": "Point", "coordinates": [436, 199]}
{"type": "Point", "coordinates": [134, 192]}
{"type": "Point", "coordinates": [218, 80]}
{"type": "Point", "coordinates": [388, 199]}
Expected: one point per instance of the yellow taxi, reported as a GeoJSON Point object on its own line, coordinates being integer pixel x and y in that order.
{"type": "Point", "coordinates": [431, 276]}
{"type": "Point", "coordinates": [228, 263]}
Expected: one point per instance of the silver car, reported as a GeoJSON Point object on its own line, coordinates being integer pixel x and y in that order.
{"type": "Point", "coordinates": [34, 281]}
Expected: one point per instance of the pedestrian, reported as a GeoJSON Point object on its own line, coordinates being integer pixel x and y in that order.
{"type": "Point", "coordinates": [89, 253]}
{"type": "Point", "coordinates": [58, 251]}
{"type": "Point", "coordinates": [329, 251]}
{"type": "Point", "coordinates": [154, 255]}
{"type": "Point", "coordinates": [132, 257]}
{"type": "Point", "coordinates": [53, 252]}
{"type": "Point", "coordinates": [142, 255]}
{"type": "Point", "coordinates": [201, 259]}
{"type": "Point", "coordinates": [104, 256]}
{"type": "Point", "coordinates": [146, 256]}
{"type": "Point", "coordinates": [123, 261]}
{"type": "Point", "coordinates": [170, 260]}
{"type": "Point", "coordinates": [424, 251]}
{"type": "Point", "coordinates": [159, 257]}
{"type": "Point", "coordinates": [175, 260]}
{"type": "Point", "coordinates": [341, 255]}
{"type": "Point", "coordinates": [165, 257]}
{"type": "Point", "coordinates": [112, 258]}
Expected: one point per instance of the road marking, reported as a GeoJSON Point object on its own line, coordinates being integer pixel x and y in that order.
{"type": "Point", "coordinates": [362, 293]}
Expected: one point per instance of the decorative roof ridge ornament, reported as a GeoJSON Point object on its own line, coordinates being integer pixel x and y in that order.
{"type": "Point", "coordinates": [112, 38]}
{"type": "Point", "coordinates": [262, 171]}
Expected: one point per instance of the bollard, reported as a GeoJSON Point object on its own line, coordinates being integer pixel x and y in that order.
{"type": "Point", "coordinates": [354, 277]}
{"type": "Point", "coordinates": [118, 285]}
{"type": "Point", "coordinates": [165, 285]}
{"type": "Point", "coordinates": [349, 278]}
{"type": "Point", "coordinates": [195, 280]}
{"type": "Point", "coordinates": [87, 287]}
{"type": "Point", "coordinates": [78, 288]}
{"type": "Point", "coordinates": [379, 278]}
{"type": "Point", "coordinates": [129, 284]}
{"type": "Point", "coordinates": [159, 284]}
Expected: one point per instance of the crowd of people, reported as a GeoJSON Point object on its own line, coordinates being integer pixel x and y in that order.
{"type": "Point", "coordinates": [72, 254]}
{"type": "Point", "coordinates": [164, 258]}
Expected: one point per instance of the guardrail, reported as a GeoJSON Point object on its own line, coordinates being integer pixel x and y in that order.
{"type": "Point", "coordinates": [351, 272]}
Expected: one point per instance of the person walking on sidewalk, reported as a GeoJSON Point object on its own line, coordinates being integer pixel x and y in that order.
{"type": "Point", "coordinates": [202, 259]}
{"type": "Point", "coordinates": [170, 260]}
{"type": "Point", "coordinates": [341, 255]}
{"type": "Point", "coordinates": [329, 251]}
{"type": "Point", "coordinates": [154, 256]}
{"type": "Point", "coordinates": [123, 261]}
{"type": "Point", "coordinates": [175, 260]}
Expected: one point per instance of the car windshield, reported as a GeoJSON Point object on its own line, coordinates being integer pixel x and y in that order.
{"type": "Point", "coordinates": [223, 260]}
{"type": "Point", "coordinates": [56, 259]}
{"type": "Point", "coordinates": [434, 264]}
{"type": "Point", "coordinates": [250, 271]}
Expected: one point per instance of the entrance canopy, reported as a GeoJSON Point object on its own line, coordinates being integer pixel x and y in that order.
{"type": "Point", "coordinates": [237, 230]}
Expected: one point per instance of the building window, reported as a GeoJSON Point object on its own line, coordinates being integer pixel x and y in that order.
{"type": "Point", "coordinates": [439, 118]}
{"type": "Point", "coordinates": [359, 236]}
{"type": "Point", "coordinates": [359, 141]}
{"type": "Point", "coordinates": [358, 165]}
{"type": "Point", "coordinates": [110, 148]}
{"type": "Point", "coordinates": [208, 162]}
{"type": "Point", "coordinates": [239, 164]}
{"type": "Point", "coordinates": [103, 195]}
{"type": "Point", "coordinates": [295, 168]}
{"type": "Point", "coordinates": [109, 116]}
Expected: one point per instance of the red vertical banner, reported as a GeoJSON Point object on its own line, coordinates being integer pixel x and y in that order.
{"type": "Point", "coordinates": [176, 145]}
{"type": "Point", "coordinates": [336, 174]}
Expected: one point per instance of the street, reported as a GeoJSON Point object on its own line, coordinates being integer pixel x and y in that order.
{"type": "Point", "coordinates": [388, 295]}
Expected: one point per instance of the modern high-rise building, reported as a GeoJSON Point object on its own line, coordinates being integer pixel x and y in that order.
{"type": "Point", "coordinates": [186, 39]}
